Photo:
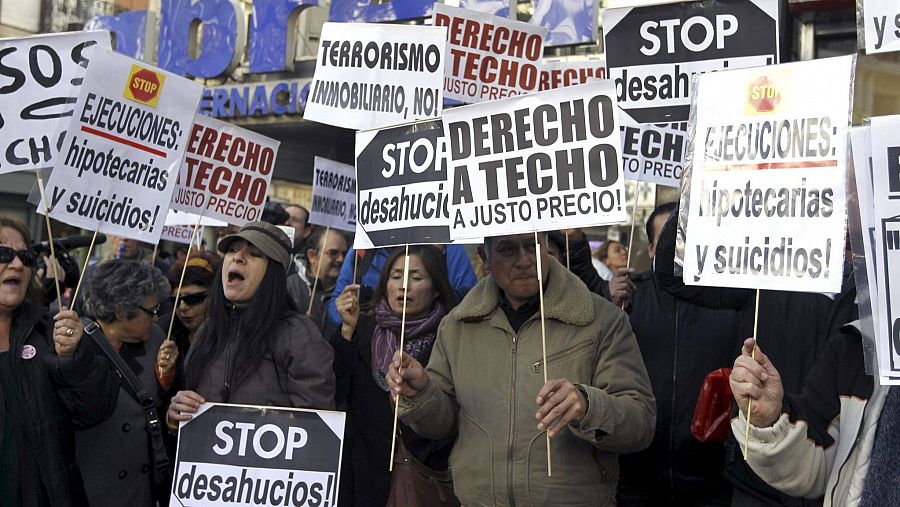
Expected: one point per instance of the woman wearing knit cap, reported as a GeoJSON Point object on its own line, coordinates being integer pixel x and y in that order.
{"type": "Point", "coordinates": [255, 347]}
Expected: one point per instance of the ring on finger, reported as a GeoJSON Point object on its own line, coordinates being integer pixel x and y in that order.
{"type": "Point", "coordinates": [70, 331]}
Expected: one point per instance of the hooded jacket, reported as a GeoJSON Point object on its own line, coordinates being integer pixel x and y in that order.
{"type": "Point", "coordinates": [484, 379]}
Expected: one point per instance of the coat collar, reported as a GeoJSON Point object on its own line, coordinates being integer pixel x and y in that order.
{"type": "Point", "coordinates": [566, 299]}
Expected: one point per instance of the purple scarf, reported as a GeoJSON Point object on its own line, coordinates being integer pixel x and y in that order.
{"type": "Point", "coordinates": [420, 335]}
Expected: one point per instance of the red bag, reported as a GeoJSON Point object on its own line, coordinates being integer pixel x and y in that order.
{"type": "Point", "coordinates": [712, 415]}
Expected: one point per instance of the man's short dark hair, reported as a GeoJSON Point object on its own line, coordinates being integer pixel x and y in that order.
{"type": "Point", "coordinates": [318, 235]}
{"type": "Point", "coordinates": [666, 208]}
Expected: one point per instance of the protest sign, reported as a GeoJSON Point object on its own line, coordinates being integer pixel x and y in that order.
{"type": "Point", "coordinates": [548, 160]}
{"type": "Point", "coordinates": [560, 73]}
{"type": "Point", "coordinates": [116, 170]}
{"type": "Point", "coordinates": [489, 57]}
{"type": "Point", "coordinates": [403, 191]}
{"type": "Point", "coordinates": [179, 233]}
{"type": "Point", "coordinates": [767, 205]}
{"type": "Point", "coordinates": [885, 214]}
{"type": "Point", "coordinates": [886, 163]}
{"type": "Point", "coordinates": [653, 52]}
{"type": "Point", "coordinates": [333, 195]}
{"type": "Point", "coordinates": [881, 21]}
{"type": "Point", "coordinates": [373, 75]}
{"type": "Point", "coordinates": [225, 173]}
{"type": "Point", "coordinates": [264, 456]}
{"type": "Point", "coordinates": [654, 153]}
{"type": "Point", "coordinates": [42, 75]}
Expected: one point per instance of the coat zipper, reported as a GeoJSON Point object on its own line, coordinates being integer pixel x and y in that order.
{"type": "Point", "coordinates": [226, 389]}
{"type": "Point", "coordinates": [512, 419]}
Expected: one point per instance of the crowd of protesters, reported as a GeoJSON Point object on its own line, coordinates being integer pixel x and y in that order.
{"type": "Point", "coordinates": [632, 362]}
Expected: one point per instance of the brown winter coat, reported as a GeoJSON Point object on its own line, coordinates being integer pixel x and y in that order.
{"type": "Point", "coordinates": [484, 380]}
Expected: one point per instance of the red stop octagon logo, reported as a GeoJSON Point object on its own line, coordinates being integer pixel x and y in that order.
{"type": "Point", "coordinates": [763, 96]}
{"type": "Point", "coordinates": [143, 86]}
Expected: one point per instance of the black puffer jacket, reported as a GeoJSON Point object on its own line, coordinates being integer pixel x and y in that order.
{"type": "Point", "coordinates": [59, 395]}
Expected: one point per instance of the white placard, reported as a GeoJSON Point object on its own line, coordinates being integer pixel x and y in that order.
{"type": "Point", "coordinates": [768, 188]}
{"type": "Point", "coordinates": [333, 195]}
{"type": "Point", "coordinates": [118, 163]}
{"type": "Point", "coordinates": [545, 161]}
{"type": "Point", "coordinates": [40, 80]}
{"type": "Point", "coordinates": [489, 57]}
{"type": "Point", "coordinates": [654, 153]}
{"type": "Point", "coordinates": [561, 73]}
{"type": "Point", "coordinates": [225, 173]}
{"type": "Point", "coordinates": [373, 75]}
{"type": "Point", "coordinates": [881, 19]}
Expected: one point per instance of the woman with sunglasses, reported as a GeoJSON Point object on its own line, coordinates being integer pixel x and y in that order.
{"type": "Point", "coordinates": [52, 382]}
{"type": "Point", "coordinates": [255, 347]}
{"type": "Point", "coordinates": [124, 298]}
{"type": "Point", "coordinates": [193, 297]}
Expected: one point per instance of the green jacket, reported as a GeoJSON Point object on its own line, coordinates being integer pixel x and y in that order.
{"type": "Point", "coordinates": [484, 384]}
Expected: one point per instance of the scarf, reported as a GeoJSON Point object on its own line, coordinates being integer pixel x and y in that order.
{"type": "Point", "coordinates": [882, 485]}
{"type": "Point", "coordinates": [420, 335]}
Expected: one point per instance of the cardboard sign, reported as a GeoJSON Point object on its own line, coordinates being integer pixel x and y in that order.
{"type": "Point", "coordinates": [333, 195]}
{"type": "Point", "coordinates": [653, 52]}
{"type": "Point", "coordinates": [264, 456]}
{"type": "Point", "coordinates": [544, 161]}
{"type": "Point", "coordinates": [560, 73]}
{"type": "Point", "coordinates": [403, 192]}
{"type": "Point", "coordinates": [489, 57]}
{"type": "Point", "coordinates": [372, 75]}
{"type": "Point", "coordinates": [767, 204]}
{"type": "Point", "coordinates": [40, 80]}
{"type": "Point", "coordinates": [116, 170]}
{"type": "Point", "coordinates": [225, 173]}
{"type": "Point", "coordinates": [654, 153]}
{"type": "Point", "coordinates": [881, 20]}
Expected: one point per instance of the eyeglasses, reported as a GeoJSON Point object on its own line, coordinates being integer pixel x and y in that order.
{"type": "Point", "coordinates": [27, 256]}
{"type": "Point", "coordinates": [151, 312]}
{"type": "Point", "coordinates": [190, 299]}
{"type": "Point", "coordinates": [334, 253]}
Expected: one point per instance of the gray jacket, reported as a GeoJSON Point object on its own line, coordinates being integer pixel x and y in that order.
{"type": "Point", "coordinates": [114, 456]}
{"type": "Point", "coordinates": [296, 374]}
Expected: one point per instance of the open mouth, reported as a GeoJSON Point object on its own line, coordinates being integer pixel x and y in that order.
{"type": "Point", "coordinates": [12, 282]}
{"type": "Point", "coordinates": [234, 277]}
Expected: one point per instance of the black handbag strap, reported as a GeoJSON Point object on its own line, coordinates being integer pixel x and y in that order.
{"type": "Point", "coordinates": [137, 390]}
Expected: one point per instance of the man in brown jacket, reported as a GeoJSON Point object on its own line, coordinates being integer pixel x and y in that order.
{"type": "Point", "coordinates": [485, 380]}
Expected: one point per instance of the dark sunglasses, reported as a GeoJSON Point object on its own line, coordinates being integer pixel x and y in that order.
{"type": "Point", "coordinates": [28, 257]}
{"type": "Point", "coordinates": [190, 299]}
{"type": "Point", "coordinates": [151, 312]}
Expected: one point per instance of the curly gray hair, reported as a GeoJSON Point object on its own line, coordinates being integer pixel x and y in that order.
{"type": "Point", "coordinates": [121, 286]}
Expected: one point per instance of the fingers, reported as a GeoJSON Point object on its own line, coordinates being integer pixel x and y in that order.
{"type": "Point", "coordinates": [746, 368]}
{"type": "Point", "coordinates": [551, 386]}
{"type": "Point", "coordinates": [167, 356]}
{"type": "Point", "coordinates": [560, 403]}
{"type": "Point", "coordinates": [749, 345]}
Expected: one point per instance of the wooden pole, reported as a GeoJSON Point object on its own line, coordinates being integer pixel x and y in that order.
{"type": "Point", "coordinates": [540, 278]}
{"type": "Point", "coordinates": [40, 180]}
{"type": "Point", "coordinates": [86, 261]}
{"type": "Point", "coordinates": [312, 294]}
{"type": "Point", "coordinates": [568, 263]}
{"type": "Point", "coordinates": [402, 333]}
{"type": "Point", "coordinates": [753, 355]}
{"type": "Point", "coordinates": [187, 257]}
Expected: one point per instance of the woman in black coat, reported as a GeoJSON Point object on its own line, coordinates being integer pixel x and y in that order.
{"type": "Point", "coordinates": [50, 385]}
{"type": "Point", "coordinates": [363, 349]}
